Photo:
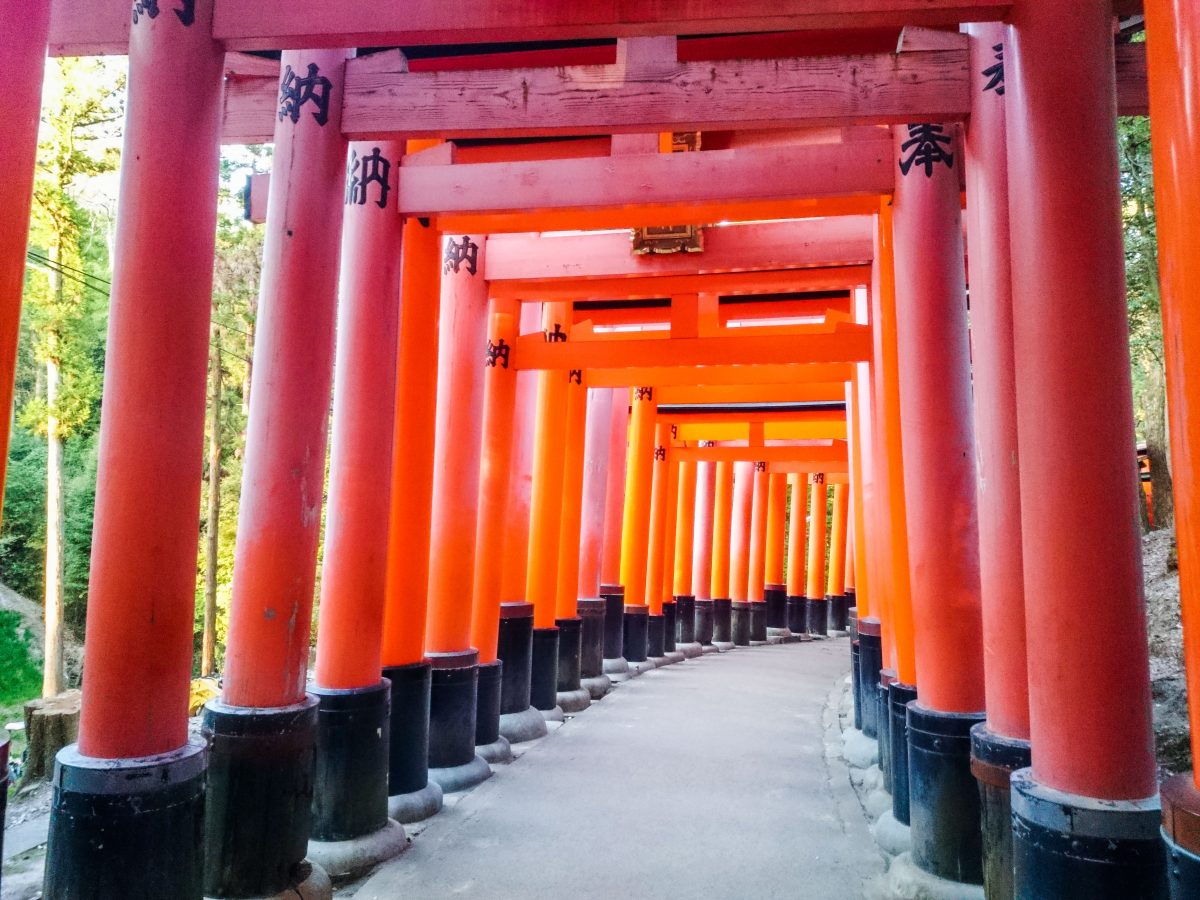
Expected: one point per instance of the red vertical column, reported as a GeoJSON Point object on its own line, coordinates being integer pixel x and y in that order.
{"type": "Point", "coordinates": [681, 582]}
{"type": "Point", "coordinates": [595, 480]}
{"type": "Point", "coordinates": [757, 572]}
{"type": "Point", "coordinates": [611, 587]}
{"type": "Point", "coordinates": [514, 577]}
{"type": "Point", "coordinates": [657, 542]}
{"type": "Point", "coordinates": [818, 507]}
{"type": "Point", "coordinates": [572, 697]}
{"type": "Point", "coordinates": [670, 543]}
{"type": "Point", "coordinates": [835, 578]}
{"type": "Point", "coordinates": [702, 553]}
{"type": "Point", "coordinates": [354, 576]}
{"type": "Point", "coordinates": [1075, 430]}
{"type": "Point", "coordinates": [722, 536]}
{"type": "Point", "coordinates": [138, 650]}
{"type": "Point", "coordinates": [797, 605]}
{"type": "Point", "coordinates": [635, 529]}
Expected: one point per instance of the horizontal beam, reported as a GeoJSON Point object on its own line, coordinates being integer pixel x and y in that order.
{"type": "Point", "coordinates": [763, 393]}
{"type": "Point", "coordinates": [823, 419]}
{"type": "Point", "coordinates": [845, 344]}
{"type": "Point", "coordinates": [838, 474]}
{"type": "Point", "coordinates": [729, 283]}
{"type": "Point", "coordinates": [762, 245]}
{"type": "Point", "coordinates": [772, 431]}
{"type": "Point", "coordinates": [819, 456]}
{"type": "Point", "coordinates": [754, 311]}
{"type": "Point", "coordinates": [383, 98]}
{"type": "Point", "coordinates": [671, 376]}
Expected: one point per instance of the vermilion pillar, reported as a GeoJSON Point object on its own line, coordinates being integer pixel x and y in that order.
{"type": "Point", "coordinates": [756, 588]}
{"type": "Point", "coordinates": [354, 702]}
{"type": "Point", "coordinates": [457, 679]}
{"type": "Point", "coordinates": [681, 582]}
{"type": "Point", "coordinates": [1001, 744]}
{"type": "Point", "coordinates": [667, 582]}
{"type": "Point", "coordinates": [797, 606]}
{"type": "Point", "coordinates": [739, 551]}
{"type": "Point", "coordinates": [864, 490]}
{"type": "Point", "coordinates": [1173, 46]}
{"type": "Point", "coordinates": [412, 795]}
{"type": "Point", "coordinates": [266, 657]}
{"type": "Point", "coordinates": [722, 533]}
{"type": "Point", "coordinates": [775, 588]}
{"type": "Point", "coordinates": [818, 506]}
{"type": "Point", "coordinates": [611, 588]}
{"type": "Point", "coordinates": [590, 604]}
{"type": "Point", "coordinates": [513, 581]}
{"type": "Point", "coordinates": [939, 481]}
{"type": "Point", "coordinates": [702, 552]}
{"type": "Point", "coordinates": [1080, 540]}
{"type": "Point", "coordinates": [545, 521]}
{"type": "Point", "coordinates": [572, 697]}
{"type": "Point", "coordinates": [635, 530]}
{"type": "Point", "coordinates": [655, 560]}
{"type": "Point", "coordinates": [835, 580]}
{"type": "Point", "coordinates": [141, 591]}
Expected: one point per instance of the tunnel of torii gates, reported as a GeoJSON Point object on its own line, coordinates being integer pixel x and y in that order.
{"type": "Point", "coordinates": [500, 546]}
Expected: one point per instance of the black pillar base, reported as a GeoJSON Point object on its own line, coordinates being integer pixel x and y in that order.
{"type": "Point", "coordinates": [637, 636]}
{"type": "Point", "coordinates": [259, 799]}
{"type": "Point", "coordinates": [408, 728]}
{"type": "Point", "coordinates": [570, 648]}
{"type": "Point", "coordinates": [514, 648]}
{"type": "Point", "coordinates": [1181, 835]}
{"type": "Point", "coordinates": [487, 703]}
{"type": "Point", "coordinates": [838, 606]}
{"type": "Point", "coordinates": [943, 797]}
{"type": "Point", "coordinates": [452, 708]}
{"type": "Point", "coordinates": [614, 620]}
{"type": "Point", "coordinates": [722, 620]}
{"type": "Point", "coordinates": [130, 828]}
{"type": "Point", "coordinates": [870, 661]}
{"type": "Point", "coordinates": [350, 787]}
{"type": "Point", "coordinates": [993, 760]}
{"type": "Point", "coordinates": [854, 688]}
{"type": "Point", "coordinates": [543, 685]}
{"type": "Point", "coordinates": [883, 729]}
{"type": "Point", "coordinates": [1069, 847]}
{"type": "Point", "coordinates": [739, 622]}
{"type": "Point", "coordinates": [670, 625]}
{"type": "Point", "coordinates": [899, 696]}
{"type": "Point", "coordinates": [758, 622]}
{"type": "Point", "coordinates": [591, 637]}
{"type": "Point", "coordinates": [685, 619]}
{"type": "Point", "coordinates": [775, 596]}
{"type": "Point", "coordinates": [818, 616]}
{"type": "Point", "coordinates": [656, 637]}
{"type": "Point", "coordinates": [797, 614]}
{"type": "Point", "coordinates": [703, 631]}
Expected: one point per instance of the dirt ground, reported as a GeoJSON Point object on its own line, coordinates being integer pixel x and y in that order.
{"type": "Point", "coordinates": [1166, 652]}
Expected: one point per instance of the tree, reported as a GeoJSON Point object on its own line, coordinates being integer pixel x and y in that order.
{"type": "Point", "coordinates": [77, 142]}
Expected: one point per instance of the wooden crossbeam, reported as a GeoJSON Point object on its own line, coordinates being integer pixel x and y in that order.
{"type": "Point", "coordinates": [832, 457]}
{"type": "Point", "coordinates": [766, 393]}
{"type": "Point", "coordinates": [668, 376]}
{"type": "Point", "coordinates": [767, 309]}
{"type": "Point", "coordinates": [772, 431]}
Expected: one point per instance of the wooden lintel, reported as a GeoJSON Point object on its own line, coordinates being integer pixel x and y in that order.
{"type": "Point", "coordinates": [831, 455]}
{"type": "Point", "coordinates": [772, 431]}
{"type": "Point", "coordinates": [764, 393]}
{"type": "Point", "coordinates": [666, 376]}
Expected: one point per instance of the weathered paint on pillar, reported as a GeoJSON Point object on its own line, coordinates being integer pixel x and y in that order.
{"type": "Point", "coordinates": [513, 579]}
{"type": "Point", "coordinates": [939, 440]}
{"type": "Point", "coordinates": [635, 530]}
{"type": "Point", "coordinates": [458, 440]}
{"type": "Point", "coordinates": [722, 518]}
{"type": "Point", "coordinates": [279, 516]}
{"type": "Point", "coordinates": [659, 489]}
{"type": "Point", "coordinates": [141, 593]}
{"type": "Point", "coordinates": [495, 461]}
{"type": "Point", "coordinates": [614, 489]}
{"type": "Point", "coordinates": [25, 27]}
{"type": "Point", "coordinates": [670, 537]}
{"type": "Point", "coordinates": [1074, 409]}
{"type": "Point", "coordinates": [702, 544]}
{"type": "Point", "coordinates": [354, 575]}
{"type": "Point", "coordinates": [1173, 49]}
{"type": "Point", "coordinates": [574, 448]}
{"type": "Point", "coordinates": [818, 506]}
{"type": "Point", "coordinates": [1002, 590]}
{"type": "Point", "coordinates": [405, 606]}
{"type": "Point", "coordinates": [685, 529]}
{"type": "Point", "coordinates": [759, 502]}
{"type": "Point", "coordinates": [739, 536]}
{"type": "Point", "coordinates": [549, 430]}
{"type": "Point", "coordinates": [595, 479]}
{"type": "Point", "coordinates": [835, 580]}
{"type": "Point", "coordinates": [797, 535]}
{"type": "Point", "coordinates": [776, 526]}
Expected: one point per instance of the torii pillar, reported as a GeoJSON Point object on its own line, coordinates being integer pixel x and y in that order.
{"type": "Point", "coordinates": [739, 552]}
{"type": "Point", "coordinates": [411, 795]}
{"type": "Point", "coordinates": [1000, 745]}
{"type": "Point", "coordinates": [721, 533]}
{"type": "Point", "coordinates": [635, 529]}
{"type": "Point", "coordinates": [702, 554]}
{"type": "Point", "coordinates": [797, 603]}
{"type": "Point", "coordinates": [816, 609]}
{"type": "Point", "coordinates": [351, 829]}
{"type": "Point", "coordinates": [590, 604]}
{"type": "Point", "coordinates": [775, 589]}
{"type": "Point", "coordinates": [685, 560]}
{"type": "Point", "coordinates": [835, 580]}
{"type": "Point", "coordinates": [128, 805]}
{"type": "Point", "coordinates": [660, 489]}
{"type": "Point", "coordinates": [612, 589]}
{"type": "Point", "coordinates": [1086, 814]}
{"type": "Point", "coordinates": [756, 589]}
{"type": "Point", "coordinates": [670, 542]}
{"type": "Point", "coordinates": [1173, 46]}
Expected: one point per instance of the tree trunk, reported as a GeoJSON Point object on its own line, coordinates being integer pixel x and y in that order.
{"type": "Point", "coordinates": [1154, 403]}
{"type": "Point", "coordinates": [208, 652]}
{"type": "Point", "coordinates": [50, 725]}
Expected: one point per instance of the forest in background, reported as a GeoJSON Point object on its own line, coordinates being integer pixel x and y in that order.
{"type": "Point", "coordinates": [50, 490]}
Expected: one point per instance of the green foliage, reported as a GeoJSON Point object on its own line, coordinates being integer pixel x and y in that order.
{"type": "Point", "coordinates": [23, 538]}
{"type": "Point", "coordinates": [22, 675]}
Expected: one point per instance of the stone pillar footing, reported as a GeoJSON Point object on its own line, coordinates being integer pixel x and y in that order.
{"type": "Point", "coordinates": [758, 623]}
{"type": "Point", "coordinates": [855, 693]}
{"type": "Point", "coordinates": [310, 882]}
{"type": "Point", "coordinates": [350, 781]}
{"type": "Point", "coordinates": [543, 683]}
{"type": "Point", "coordinates": [574, 701]}
{"type": "Point", "coordinates": [416, 806]}
{"type": "Point", "coordinates": [685, 619]}
{"type": "Point", "coordinates": [899, 695]}
{"type": "Point", "coordinates": [514, 649]}
{"type": "Point", "coordinates": [591, 639]}
{"type": "Point", "coordinates": [908, 881]}
{"type": "Point", "coordinates": [614, 620]}
{"type": "Point", "coordinates": [993, 760]}
{"type": "Point", "coordinates": [495, 752]}
{"type": "Point", "coordinates": [618, 670]}
{"type": "Point", "coordinates": [775, 596]}
{"type": "Point", "coordinates": [739, 617]}
{"type": "Point", "coordinates": [526, 725]}
{"type": "Point", "coordinates": [883, 734]}
{"type": "Point", "coordinates": [870, 661]}
{"type": "Point", "coordinates": [488, 699]}
{"type": "Point", "coordinates": [345, 860]}
{"type": "Point", "coordinates": [637, 635]}
{"type": "Point", "coordinates": [409, 789]}
{"type": "Point", "coordinates": [722, 617]}
{"type": "Point", "coordinates": [462, 777]}
{"type": "Point", "coordinates": [796, 611]}
{"type": "Point", "coordinates": [452, 709]}
{"type": "Point", "coordinates": [1181, 835]}
{"type": "Point", "coordinates": [1068, 846]}
{"type": "Point", "coordinates": [107, 817]}
{"type": "Point", "coordinates": [703, 623]}
{"type": "Point", "coordinates": [597, 686]}
{"type": "Point", "coordinates": [690, 650]}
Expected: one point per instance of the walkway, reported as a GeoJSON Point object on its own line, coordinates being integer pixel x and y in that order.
{"type": "Point", "coordinates": [707, 779]}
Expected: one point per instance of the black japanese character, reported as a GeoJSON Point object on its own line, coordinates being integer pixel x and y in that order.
{"type": "Point", "coordinates": [708, 443]}
{"type": "Point", "coordinates": [576, 376]}
{"type": "Point", "coordinates": [660, 453]}
{"type": "Point", "coordinates": [374, 168]}
{"type": "Point", "coordinates": [926, 147]}
{"type": "Point", "coordinates": [150, 9]}
{"type": "Point", "coordinates": [557, 336]}
{"type": "Point", "coordinates": [644, 393]}
{"type": "Point", "coordinates": [995, 73]}
{"type": "Point", "coordinates": [760, 467]}
{"type": "Point", "coordinates": [818, 478]}
{"type": "Point", "coordinates": [295, 91]}
{"type": "Point", "coordinates": [456, 254]}
{"type": "Point", "coordinates": [497, 354]}
{"type": "Point", "coordinates": [675, 432]}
